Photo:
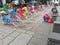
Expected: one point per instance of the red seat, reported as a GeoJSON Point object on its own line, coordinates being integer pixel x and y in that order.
{"type": "Point", "coordinates": [50, 20]}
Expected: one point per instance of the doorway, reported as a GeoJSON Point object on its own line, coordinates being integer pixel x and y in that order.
{"type": "Point", "coordinates": [0, 3]}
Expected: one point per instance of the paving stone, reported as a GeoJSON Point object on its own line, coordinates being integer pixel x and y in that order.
{"type": "Point", "coordinates": [1, 42]}
{"type": "Point", "coordinates": [2, 35]}
{"type": "Point", "coordinates": [42, 32]}
{"type": "Point", "coordinates": [4, 28]}
{"type": "Point", "coordinates": [29, 32]}
{"type": "Point", "coordinates": [28, 27]}
{"type": "Point", "coordinates": [42, 29]}
{"type": "Point", "coordinates": [14, 34]}
{"type": "Point", "coordinates": [7, 29]}
{"type": "Point", "coordinates": [40, 36]}
{"type": "Point", "coordinates": [20, 30]}
{"type": "Point", "coordinates": [7, 40]}
{"type": "Point", "coordinates": [21, 40]}
{"type": "Point", "coordinates": [36, 41]}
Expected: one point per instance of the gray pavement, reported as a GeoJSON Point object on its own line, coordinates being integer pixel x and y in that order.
{"type": "Point", "coordinates": [33, 31]}
{"type": "Point", "coordinates": [41, 35]}
{"type": "Point", "coordinates": [55, 31]}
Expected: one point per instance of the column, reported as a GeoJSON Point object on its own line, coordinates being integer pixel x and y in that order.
{"type": "Point", "coordinates": [4, 2]}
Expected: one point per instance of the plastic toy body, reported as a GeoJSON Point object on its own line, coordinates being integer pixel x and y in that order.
{"type": "Point", "coordinates": [46, 17]}
{"type": "Point", "coordinates": [36, 8]}
{"type": "Point", "coordinates": [50, 20]}
{"type": "Point", "coordinates": [5, 7]}
{"type": "Point", "coordinates": [12, 11]}
{"type": "Point", "coordinates": [45, 20]}
{"type": "Point", "coordinates": [26, 10]}
{"type": "Point", "coordinates": [30, 9]}
{"type": "Point", "coordinates": [6, 18]}
{"type": "Point", "coordinates": [20, 11]}
{"type": "Point", "coordinates": [9, 5]}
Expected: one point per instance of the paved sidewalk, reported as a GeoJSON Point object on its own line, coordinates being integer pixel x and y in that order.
{"type": "Point", "coordinates": [22, 35]}
{"type": "Point", "coordinates": [41, 34]}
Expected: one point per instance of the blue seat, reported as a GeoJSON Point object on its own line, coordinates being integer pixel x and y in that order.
{"type": "Point", "coordinates": [45, 20]}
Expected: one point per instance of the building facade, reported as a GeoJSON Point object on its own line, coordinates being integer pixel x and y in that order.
{"type": "Point", "coordinates": [8, 1]}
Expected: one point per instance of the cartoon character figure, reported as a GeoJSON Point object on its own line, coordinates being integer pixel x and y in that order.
{"type": "Point", "coordinates": [26, 9]}
{"type": "Point", "coordinates": [13, 13]}
{"type": "Point", "coordinates": [30, 8]}
{"type": "Point", "coordinates": [6, 19]}
{"type": "Point", "coordinates": [36, 8]}
{"type": "Point", "coordinates": [20, 10]}
{"type": "Point", "coordinates": [46, 17]}
{"type": "Point", "coordinates": [5, 7]}
{"type": "Point", "coordinates": [11, 10]}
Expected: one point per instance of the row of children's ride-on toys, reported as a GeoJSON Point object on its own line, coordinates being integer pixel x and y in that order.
{"type": "Point", "coordinates": [9, 15]}
{"type": "Point", "coordinates": [48, 18]}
